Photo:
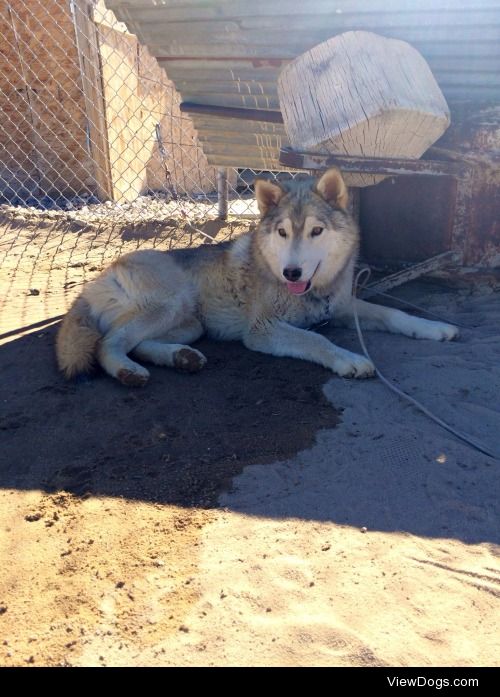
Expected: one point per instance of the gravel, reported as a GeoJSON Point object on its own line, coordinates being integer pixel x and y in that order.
{"type": "Point", "coordinates": [147, 208]}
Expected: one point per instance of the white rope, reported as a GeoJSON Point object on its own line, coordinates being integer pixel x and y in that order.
{"type": "Point", "coordinates": [462, 436]}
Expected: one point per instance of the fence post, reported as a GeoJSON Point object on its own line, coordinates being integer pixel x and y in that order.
{"type": "Point", "coordinates": [222, 193]}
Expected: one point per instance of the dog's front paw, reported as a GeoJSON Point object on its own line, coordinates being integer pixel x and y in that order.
{"type": "Point", "coordinates": [352, 365]}
{"type": "Point", "coordinates": [436, 331]}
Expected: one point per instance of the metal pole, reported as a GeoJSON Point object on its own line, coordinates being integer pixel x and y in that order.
{"type": "Point", "coordinates": [222, 193]}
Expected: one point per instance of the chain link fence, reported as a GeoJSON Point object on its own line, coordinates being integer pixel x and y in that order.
{"type": "Point", "coordinates": [96, 157]}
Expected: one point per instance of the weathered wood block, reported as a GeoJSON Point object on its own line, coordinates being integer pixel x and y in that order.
{"type": "Point", "coordinates": [362, 94]}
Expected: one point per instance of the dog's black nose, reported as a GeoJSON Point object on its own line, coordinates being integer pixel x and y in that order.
{"type": "Point", "coordinates": [292, 273]}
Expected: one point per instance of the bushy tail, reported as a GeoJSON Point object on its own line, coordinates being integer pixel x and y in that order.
{"type": "Point", "coordinates": [77, 340]}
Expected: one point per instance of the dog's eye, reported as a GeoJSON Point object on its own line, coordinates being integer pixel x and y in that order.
{"type": "Point", "coordinates": [316, 231]}
{"type": "Point", "coordinates": [281, 232]}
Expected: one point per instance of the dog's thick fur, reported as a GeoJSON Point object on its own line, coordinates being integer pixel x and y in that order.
{"type": "Point", "coordinates": [264, 289]}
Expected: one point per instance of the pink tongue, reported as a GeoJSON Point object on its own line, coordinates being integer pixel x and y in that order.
{"type": "Point", "coordinates": [296, 287]}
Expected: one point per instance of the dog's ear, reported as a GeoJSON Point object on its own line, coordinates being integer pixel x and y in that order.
{"type": "Point", "coordinates": [268, 194]}
{"type": "Point", "coordinates": [331, 187]}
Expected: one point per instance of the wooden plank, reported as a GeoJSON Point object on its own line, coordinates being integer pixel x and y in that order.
{"type": "Point", "coordinates": [475, 93]}
{"type": "Point", "coordinates": [194, 74]}
{"type": "Point", "coordinates": [375, 21]}
{"type": "Point", "coordinates": [88, 50]}
{"type": "Point", "coordinates": [192, 90]}
{"type": "Point", "coordinates": [185, 40]}
{"type": "Point", "coordinates": [265, 48]}
{"type": "Point", "coordinates": [233, 133]}
{"type": "Point", "coordinates": [194, 9]}
{"type": "Point", "coordinates": [475, 80]}
{"type": "Point", "coordinates": [245, 137]}
{"type": "Point", "coordinates": [248, 69]}
{"type": "Point", "coordinates": [198, 86]}
{"type": "Point", "coordinates": [216, 138]}
{"type": "Point", "coordinates": [480, 65]}
{"type": "Point", "coordinates": [452, 86]}
{"type": "Point", "coordinates": [238, 148]}
{"type": "Point", "coordinates": [337, 22]}
{"type": "Point", "coordinates": [277, 53]}
{"type": "Point", "coordinates": [251, 161]}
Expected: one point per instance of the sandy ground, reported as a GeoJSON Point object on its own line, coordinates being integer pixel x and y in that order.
{"type": "Point", "coordinates": [259, 513]}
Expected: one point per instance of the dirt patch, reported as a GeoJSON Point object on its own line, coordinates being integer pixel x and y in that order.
{"type": "Point", "coordinates": [105, 489]}
{"type": "Point", "coordinates": [87, 580]}
{"type": "Point", "coordinates": [178, 441]}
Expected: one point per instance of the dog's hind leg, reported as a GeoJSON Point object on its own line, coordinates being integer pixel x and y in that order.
{"type": "Point", "coordinates": [167, 349]}
{"type": "Point", "coordinates": [112, 356]}
{"type": "Point", "coordinates": [179, 356]}
{"type": "Point", "coordinates": [122, 339]}
{"type": "Point", "coordinates": [388, 319]}
{"type": "Point", "coordinates": [186, 333]}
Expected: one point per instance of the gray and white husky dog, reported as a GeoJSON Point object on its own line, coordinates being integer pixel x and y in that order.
{"type": "Point", "coordinates": [264, 289]}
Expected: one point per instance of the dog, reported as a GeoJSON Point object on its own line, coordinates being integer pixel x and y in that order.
{"type": "Point", "coordinates": [264, 288]}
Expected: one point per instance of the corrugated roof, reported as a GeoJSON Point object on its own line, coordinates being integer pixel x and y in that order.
{"type": "Point", "coordinates": [230, 52]}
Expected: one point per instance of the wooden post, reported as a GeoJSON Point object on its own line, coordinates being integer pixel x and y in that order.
{"type": "Point", "coordinates": [362, 94]}
{"type": "Point", "coordinates": [91, 75]}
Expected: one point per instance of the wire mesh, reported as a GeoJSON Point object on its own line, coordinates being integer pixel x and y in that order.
{"type": "Point", "coordinates": [96, 158]}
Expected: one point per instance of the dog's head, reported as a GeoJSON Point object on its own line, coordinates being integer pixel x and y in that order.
{"type": "Point", "coordinates": [306, 235]}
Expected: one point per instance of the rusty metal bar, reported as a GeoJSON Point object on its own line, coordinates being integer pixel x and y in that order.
{"type": "Point", "coordinates": [436, 263]}
{"type": "Point", "coordinates": [462, 212]}
{"type": "Point", "coordinates": [373, 165]}
{"type": "Point", "coordinates": [227, 112]}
